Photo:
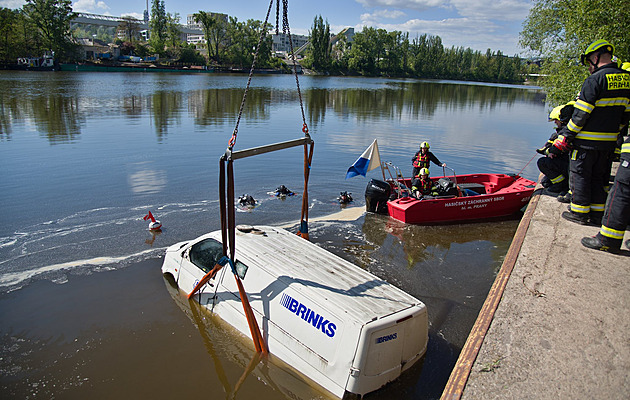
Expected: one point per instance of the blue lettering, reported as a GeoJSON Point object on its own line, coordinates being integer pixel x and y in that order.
{"type": "Point", "coordinates": [293, 306]}
{"type": "Point", "coordinates": [386, 338]}
{"type": "Point", "coordinates": [331, 330]}
{"type": "Point", "coordinates": [300, 311]}
{"type": "Point", "coordinates": [322, 325]}
{"type": "Point", "coordinates": [315, 320]}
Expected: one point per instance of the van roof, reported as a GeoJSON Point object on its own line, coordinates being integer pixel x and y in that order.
{"type": "Point", "coordinates": [327, 279]}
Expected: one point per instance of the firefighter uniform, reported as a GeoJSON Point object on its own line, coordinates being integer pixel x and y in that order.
{"type": "Point", "coordinates": [423, 160]}
{"type": "Point", "coordinates": [617, 214]}
{"type": "Point", "coordinates": [422, 183]}
{"type": "Point", "coordinates": [601, 109]}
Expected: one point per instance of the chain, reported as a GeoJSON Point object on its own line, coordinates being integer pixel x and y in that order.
{"type": "Point", "coordinates": [263, 33]}
{"type": "Point", "coordinates": [277, 16]}
{"type": "Point", "coordinates": [287, 31]}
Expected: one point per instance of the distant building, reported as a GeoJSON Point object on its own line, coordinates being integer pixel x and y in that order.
{"type": "Point", "coordinates": [199, 39]}
{"type": "Point", "coordinates": [95, 49]}
{"type": "Point", "coordinates": [281, 42]}
{"type": "Point", "coordinates": [347, 32]}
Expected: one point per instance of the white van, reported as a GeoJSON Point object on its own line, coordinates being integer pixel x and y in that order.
{"type": "Point", "coordinates": [343, 327]}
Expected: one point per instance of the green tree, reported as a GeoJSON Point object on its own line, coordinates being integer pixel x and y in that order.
{"type": "Point", "coordinates": [158, 26]}
{"type": "Point", "coordinates": [240, 46]}
{"type": "Point", "coordinates": [173, 31]}
{"type": "Point", "coordinates": [52, 20]}
{"type": "Point", "coordinates": [340, 53]}
{"type": "Point", "coordinates": [9, 20]}
{"type": "Point", "coordinates": [215, 30]}
{"type": "Point", "coordinates": [319, 55]}
{"type": "Point", "coordinates": [560, 30]}
{"type": "Point", "coordinates": [188, 55]}
{"type": "Point", "coordinates": [365, 52]}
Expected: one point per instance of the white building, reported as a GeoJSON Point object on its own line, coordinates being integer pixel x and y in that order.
{"type": "Point", "coordinates": [281, 42]}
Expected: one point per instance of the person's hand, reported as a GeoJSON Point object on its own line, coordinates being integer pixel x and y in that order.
{"type": "Point", "coordinates": [561, 143]}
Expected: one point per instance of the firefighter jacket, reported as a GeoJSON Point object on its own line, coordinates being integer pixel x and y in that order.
{"type": "Point", "coordinates": [423, 160]}
{"type": "Point", "coordinates": [601, 110]}
{"type": "Point", "coordinates": [423, 186]}
{"type": "Point", "coordinates": [625, 151]}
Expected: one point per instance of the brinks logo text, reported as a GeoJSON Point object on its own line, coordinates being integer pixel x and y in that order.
{"type": "Point", "coordinates": [386, 338]}
{"type": "Point", "coordinates": [317, 321]}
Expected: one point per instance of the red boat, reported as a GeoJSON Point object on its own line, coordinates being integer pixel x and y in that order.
{"type": "Point", "coordinates": [464, 198]}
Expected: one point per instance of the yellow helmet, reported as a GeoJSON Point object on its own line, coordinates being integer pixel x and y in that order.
{"type": "Point", "coordinates": [424, 145]}
{"type": "Point", "coordinates": [424, 171]}
{"type": "Point", "coordinates": [555, 113]}
{"type": "Point", "coordinates": [601, 46]}
{"type": "Point", "coordinates": [626, 66]}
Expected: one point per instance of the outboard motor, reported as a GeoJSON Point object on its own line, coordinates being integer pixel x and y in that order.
{"type": "Point", "coordinates": [376, 196]}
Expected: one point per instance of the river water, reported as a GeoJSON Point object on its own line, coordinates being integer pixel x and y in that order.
{"type": "Point", "coordinates": [84, 156]}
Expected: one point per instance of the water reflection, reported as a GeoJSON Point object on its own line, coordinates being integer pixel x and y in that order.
{"type": "Point", "coordinates": [165, 108]}
{"type": "Point", "coordinates": [216, 106]}
{"type": "Point", "coordinates": [60, 112]}
{"type": "Point", "coordinates": [147, 181]}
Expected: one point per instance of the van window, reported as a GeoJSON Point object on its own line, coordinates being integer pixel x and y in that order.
{"type": "Point", "coordinates": [206, 254]}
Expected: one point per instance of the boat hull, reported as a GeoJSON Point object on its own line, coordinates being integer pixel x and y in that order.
{"type": "Point", "coordinates": [499, 195]}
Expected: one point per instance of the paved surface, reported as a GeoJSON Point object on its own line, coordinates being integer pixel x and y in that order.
{"type": "Point", "coordinates": [562, 327]}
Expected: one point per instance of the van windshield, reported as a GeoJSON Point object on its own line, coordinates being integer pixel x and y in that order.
{"type": "Point", "coordinates": [206, 254]}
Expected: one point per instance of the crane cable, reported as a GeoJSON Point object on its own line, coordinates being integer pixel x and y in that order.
{"type": "Point", "coordinates": [226, 186]}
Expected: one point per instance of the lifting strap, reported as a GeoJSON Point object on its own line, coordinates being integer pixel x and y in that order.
{"type": "Point", "coordinates": [226, 182]}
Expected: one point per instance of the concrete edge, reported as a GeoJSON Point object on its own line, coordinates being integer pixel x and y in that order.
{"type": "Point", "coordinates": [459, 376]}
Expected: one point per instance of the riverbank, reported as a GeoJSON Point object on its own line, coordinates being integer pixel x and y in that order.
{"type": "Point", "coordinates": [557, 318]}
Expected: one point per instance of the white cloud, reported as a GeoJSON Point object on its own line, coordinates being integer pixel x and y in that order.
{"type": "Point", "coordinates": [89, 6]}
{"type": "Point", "coordinates": [465, 32]}
{"type": "Point", "coordinates": [505, 10]}
{"type": "Point", "coordinates": [403, 4]}
{"type": "Point", "coordinates": [381, 14]}
{"type": "Point", "coordinates": [478, 24]}
{"type": "Point", "coordinates": [12, 4]}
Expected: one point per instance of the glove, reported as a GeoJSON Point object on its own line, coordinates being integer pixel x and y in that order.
{"type": "Point", "coordinates": [545, 149]}
{"type": "Point", "coordinates": [444, 164]}
{"type": "Point", "coordinates": [560, 145]}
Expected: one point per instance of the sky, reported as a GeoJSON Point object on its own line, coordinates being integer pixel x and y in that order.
{"type": "Point", "coordinates": [478, 24]}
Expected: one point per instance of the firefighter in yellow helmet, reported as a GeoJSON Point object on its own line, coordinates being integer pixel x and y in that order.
{"type": "Point", "coordinates": [423, 158]}
{"type": "Point", "coordinates": [601, 109]}
{"type": "Point", "coordinates": [422, 185]}
{"type": "Point", "coordinates": [555, 167]}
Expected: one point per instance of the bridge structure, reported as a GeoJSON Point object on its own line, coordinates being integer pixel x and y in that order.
{"type": "Point", "coordinates": [111, 21]}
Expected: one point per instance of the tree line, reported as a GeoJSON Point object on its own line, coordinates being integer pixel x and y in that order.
{"type": "Point", "coordinates": [377, 52]}
{"type": "Point", "coordinates": [43, 25]}
{"type": "Point", "coordinates": [558, 31]}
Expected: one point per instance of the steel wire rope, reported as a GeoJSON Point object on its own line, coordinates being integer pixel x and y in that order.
{"type": "Point", "coordinates": [263, 33]}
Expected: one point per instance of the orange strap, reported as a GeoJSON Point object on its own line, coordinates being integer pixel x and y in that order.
{"type": "Point", "coordinates": [205, 279]}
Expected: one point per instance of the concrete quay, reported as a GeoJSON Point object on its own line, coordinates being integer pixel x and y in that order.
{"type": "Point", "coordinates": [556, 323]}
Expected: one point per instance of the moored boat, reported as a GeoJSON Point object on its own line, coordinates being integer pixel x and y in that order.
{"type": "Point", "coordinates": [460, 198]}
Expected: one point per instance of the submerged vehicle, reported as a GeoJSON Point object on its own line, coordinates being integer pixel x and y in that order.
{"type": "Point", "coordinates": [336, 323]}
{"type": "Point", "coordinates": [458, 198]}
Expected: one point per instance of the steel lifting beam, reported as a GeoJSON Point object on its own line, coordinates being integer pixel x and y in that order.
{"type": "Point", "coordinates": [254, 151]}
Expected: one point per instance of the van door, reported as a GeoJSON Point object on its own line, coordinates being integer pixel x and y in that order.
{"type": "Point", "coordinates": [197, 260]}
